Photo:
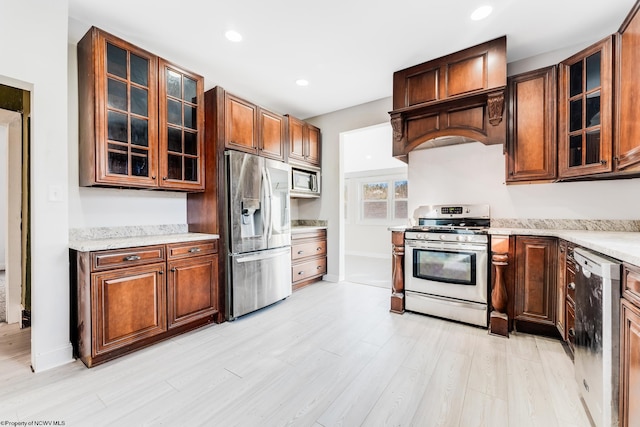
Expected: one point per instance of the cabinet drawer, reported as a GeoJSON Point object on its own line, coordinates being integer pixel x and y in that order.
{"type": "Point", "coordinates": [631, 283]}
{"type": "Point", "coordinates": [105, 260]}
{"type": "Point", "coordinates": [301, 250]}
{"type": "Point", "coordinates": [309, 269]}
{"type": "Point", "coordinates": [187, 249]}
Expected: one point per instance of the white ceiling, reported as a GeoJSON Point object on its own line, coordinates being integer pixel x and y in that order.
{"type": "Point", "coordinates": [347, 49]}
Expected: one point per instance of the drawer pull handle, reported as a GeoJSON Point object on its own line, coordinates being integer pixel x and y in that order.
{"type": "Point", "coordinates": [318, 248]}
{"type": "Point", "coordinates": [300, 252]}
{"type": "Point", "coordinates": [131, 258]}
{"type": "Point", "coordinates": [572, 332]}
{"type": "Point", "coordinates": [318, 267]}
{"type": "Point", "coordinates": [194, 250]}
{"type": "Point", "coordinates": [572, 286]}
{"type": "Point", "coordinates": [300, 273]}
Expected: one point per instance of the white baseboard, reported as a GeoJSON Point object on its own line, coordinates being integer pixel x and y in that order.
{"type": "Point", "coordinates": [52, 359]}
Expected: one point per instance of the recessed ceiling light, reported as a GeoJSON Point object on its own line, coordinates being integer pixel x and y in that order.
{"type": "Point", "coordinates": [233, 36]}
{"type": "Point", "coordinates": [302, 82]}
{"type": "Point", "coordinates": [481, 12]}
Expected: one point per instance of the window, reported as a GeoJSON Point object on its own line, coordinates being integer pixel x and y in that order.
{"type": "Point", "coordinates": [383, 200]}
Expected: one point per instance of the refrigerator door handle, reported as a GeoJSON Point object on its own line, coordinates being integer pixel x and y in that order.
{"type": "Point", "coordinates": [263, 255]}
{"type": "Point", "coordinates": [270, 196]}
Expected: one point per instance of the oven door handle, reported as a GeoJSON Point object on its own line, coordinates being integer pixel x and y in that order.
{"type": "Point", "coordinates": [465, 247]}
{"type": "Point", "coordinates": [466, 304]}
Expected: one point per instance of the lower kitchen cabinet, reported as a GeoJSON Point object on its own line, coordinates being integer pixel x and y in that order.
{"type": "Point", "coordinates": [535, 283]}
{"type": "Point", "coordinates": [630, 348]}
{"type": "Point", "coordinates": [561, 289]}
{"type": "Point", "coordinates": [128, 305]}
{"type": "Point", "coordinates": [130, 298]}
{"type": "Point", "coordinates": [192, 289]}
{"type": "Point", "coordinates": [308, 257]}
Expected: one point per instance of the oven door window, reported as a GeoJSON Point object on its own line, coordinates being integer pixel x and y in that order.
{"type": "Point", "coordinates": [445, 266]}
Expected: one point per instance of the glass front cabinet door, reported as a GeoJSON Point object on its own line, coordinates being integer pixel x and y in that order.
{"type": "Point", "coordinates": [127, 112]}
{"type": "Point", "coordinates": [585, 112]}
{"type": "Point", "coordinates": [181, 127]}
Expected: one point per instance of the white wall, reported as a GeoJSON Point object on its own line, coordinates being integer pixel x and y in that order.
{"type": "Point", "coordinates": [329, 207]}
{"type": "Point", "coordinates": [474, 173]}
{"type": "Point", "coordinates": [111, 207]}
{"type": "Point", "coordinates": [33, 48]}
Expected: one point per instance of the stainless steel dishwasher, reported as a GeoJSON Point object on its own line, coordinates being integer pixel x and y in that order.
{"type": "Point", "coordinates": [597, 329]}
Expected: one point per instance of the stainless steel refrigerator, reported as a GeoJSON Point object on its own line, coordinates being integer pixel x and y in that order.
{"type": "Point", "coordinates": [258, 232]}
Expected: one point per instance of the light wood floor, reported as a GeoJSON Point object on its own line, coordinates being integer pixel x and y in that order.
{"type": "Point", "coordinates": [331, 354]}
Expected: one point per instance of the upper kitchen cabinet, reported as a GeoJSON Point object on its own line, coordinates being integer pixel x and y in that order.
{"type": "Point", "coordinates": [181, 128]}
{"type": "Point", "coordinates": [136, 125]}
{"type": "Point", "coordinates": [585, 112]}
{"type": "Point", "coordinates": [531, 137]}
{"type": "Point", "coordinates": [455, 98]}
{"type": "Point", "coordinates": [240, 124]}
{"type": "Point", "coordinates": [253, 129]}
{"type": "Point", "coordinates": [273, 134]}
{"type": "Point", "coordinates": [304, 143]}
{"type": "Point", "coordinates": [627, 135]}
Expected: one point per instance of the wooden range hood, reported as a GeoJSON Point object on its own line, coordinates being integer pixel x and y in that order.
{"type": "Point", "coordinates": [450, 100]}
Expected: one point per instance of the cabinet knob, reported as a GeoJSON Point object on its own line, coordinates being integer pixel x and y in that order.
{"type": "Point", "coordinates": [603, 162]}
{"type": "Point", "coordinates": [318, 267]}
{"type": "Point", "coordinates": [318, 248]}
{"type": "Point", "coordinates": [572, 332]}
{"type": "Point", "coordinates": [131, 258]}
{"type": "Point", "coordinates": [164, 178]}
{"type": "Point", "coordinates": [511, 173]}
{"type": "Point", "coordinates": [572, 286]}
{"type": "Point", "coordinates": [160, 272]}
{"type": "Point", "coordinates": [300, 273]}
{"type": "Point", "coordinates": [300, 252]}
{"type": "Point", "coordinates": [173, 270]}
{"type": "Point", "coordinates": [153, 177]}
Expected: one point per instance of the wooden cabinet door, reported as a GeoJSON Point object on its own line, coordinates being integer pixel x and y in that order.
{"type": "Point", "coordinates": [585, 102]}
{"type": "Point", "coordinates": [240, 124]}
{"type": "Point", "coordinates": [272, 134]}
{"type": "Point", "coordinates": [630, 365]}
{"type": "Point", "coordinates": [128, 306]}
{"type": "Point", "coordinates": [627, 139]}
{"type": "Point", "coordinates": [296, 139]}
{"type": "Point", "coordinates": [117, 85]}
{"type": "Point", "coordinates": [531, 136]}
{"type": "Point", "coordinates": [535, 287]}
{"type": "Point", "coordinates": [181, 124]}
{"type": "Point", "coordinates": [192, 290]}
{"type": "Point", "coordinates": [313, 144]}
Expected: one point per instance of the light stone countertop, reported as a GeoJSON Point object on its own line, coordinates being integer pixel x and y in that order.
{"type": "Point", "coordinates": [89, 245]}
{"type": "Point", "coordinates": [304, 228]}
{"type": "Point", "coordinates": [104, 238]}
{"type": "Point", "coordinates": [621, 245]}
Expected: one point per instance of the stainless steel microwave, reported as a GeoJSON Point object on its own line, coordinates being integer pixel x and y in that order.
{"type": "Point", "coordinates": [305, 182]}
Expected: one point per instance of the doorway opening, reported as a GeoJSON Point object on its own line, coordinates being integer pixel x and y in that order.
{"type": "Point", "coordinates": [375, 198]}
{"type": "Point", "coordinates": [15, 280]}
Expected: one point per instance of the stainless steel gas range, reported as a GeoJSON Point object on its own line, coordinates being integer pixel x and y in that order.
{"type": "Point", "coordinates": [447, 263]}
